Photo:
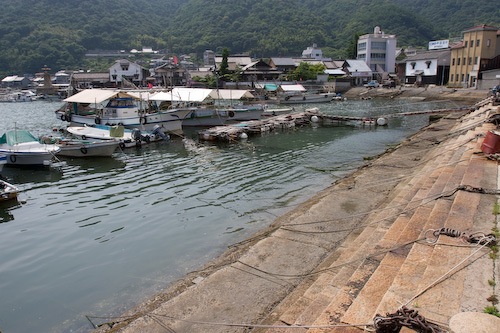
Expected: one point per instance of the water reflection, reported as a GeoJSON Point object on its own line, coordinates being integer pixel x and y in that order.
{"type": "Point", "coordinates": [16, 175]}
{"type": "Point", "coordinates": [5, 210]}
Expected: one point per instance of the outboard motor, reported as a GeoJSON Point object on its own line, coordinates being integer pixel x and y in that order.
{"type": "Point", "coordinates": [136, 134]}
{"type": "Point", "coordinates": [158, 131]}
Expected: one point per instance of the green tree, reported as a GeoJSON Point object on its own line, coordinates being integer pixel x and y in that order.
{"type": "Point", "coordinates": [224, 66]}
{"type": "Point", "coordinates": [306, 71]}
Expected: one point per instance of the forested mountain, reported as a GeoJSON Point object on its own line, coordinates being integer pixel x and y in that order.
{"type": "Point", "coordinates": [57, 33]}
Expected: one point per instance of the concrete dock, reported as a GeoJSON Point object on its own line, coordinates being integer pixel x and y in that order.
{"type": "Point", "coordinates": [405, 230]}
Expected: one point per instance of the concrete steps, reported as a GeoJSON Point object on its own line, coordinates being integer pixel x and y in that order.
{"type": "Point", "coordinates": [378, 268]}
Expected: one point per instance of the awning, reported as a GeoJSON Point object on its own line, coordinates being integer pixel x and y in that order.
{"type": "Point", "coordinates": [90, 96]}
{"type": "Point", "coordinates": [233, 94]}
{"type": "Point", "coordinates": [292, 87]}
{"type": "Point", "coordinates": [183, 95]}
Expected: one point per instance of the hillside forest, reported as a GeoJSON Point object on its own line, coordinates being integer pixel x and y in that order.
{"type": "Point", "coordinates": [58, 33]}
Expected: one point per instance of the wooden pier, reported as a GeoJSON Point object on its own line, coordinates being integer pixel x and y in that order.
{"type": "Point", "coordinates": [243, 130]}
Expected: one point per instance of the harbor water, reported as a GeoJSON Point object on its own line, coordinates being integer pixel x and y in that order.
{"type": "Point", "coordinates": [94, 237]}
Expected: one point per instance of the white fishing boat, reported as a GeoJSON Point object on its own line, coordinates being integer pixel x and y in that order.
{"type": "Point", "coordinates": [114, 107]}
{"type": "Point", "coordinates": [297, 94]}
{"type": "Point", "coordinates": [20, 147]}
{"type": "Point", "coordinates": [211, 107]}
{"type": "Point", "coordinates": [273, 111]}
{"type": "Point", "coordinates": [125, 138]}
{"type": "Point", "coordinates": [7, 191]}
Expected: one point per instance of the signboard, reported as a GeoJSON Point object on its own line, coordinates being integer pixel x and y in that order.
{"type": "Point", "coordinates": [438, 44]}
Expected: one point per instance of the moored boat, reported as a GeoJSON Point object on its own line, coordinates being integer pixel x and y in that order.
{"type": "Point", "coordinates": [7, 191]}
{"type": "Point", "coordinates": [20, 147]}
{"type": "Point", "coordinates": [113, 107]}
{"type": "Point", "coordinates": [273, 111]}
{"type": "Point", "coordinates": [211, 107]}
{"type": "Point", "coordinates": [125, 138]}
{"type": "Point", "coordinates": [86, 148]}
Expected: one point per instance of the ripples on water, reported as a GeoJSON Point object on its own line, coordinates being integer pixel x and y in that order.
{"type": "Point", "coordinates": [96, 236]}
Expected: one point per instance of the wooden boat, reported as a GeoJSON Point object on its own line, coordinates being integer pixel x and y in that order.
{"type": "Point", "coordinates": [112, 107]}
{"type": "Point", "coordinates": [20, 147]}
{"type": "Point", "coordinates": [7, 191]}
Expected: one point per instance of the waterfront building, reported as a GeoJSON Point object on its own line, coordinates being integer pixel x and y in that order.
{"type": "Point", "coordinates": [378, 51]}
{"type": "Point", "coordinates": [358, 70]}
{"type": "Point", "coordinates": [429, 67]}
{"type": "Point", "coordinates": [124, 70]}
{"type": "Point", "coordinates": [478, 51]}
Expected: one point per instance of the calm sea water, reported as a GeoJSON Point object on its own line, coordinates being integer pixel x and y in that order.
{"type": "Point", "coordinates": [97, 236]}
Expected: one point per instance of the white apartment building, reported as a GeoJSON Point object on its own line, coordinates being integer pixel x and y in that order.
{"type": "Point", "coordinates": [378, 50]}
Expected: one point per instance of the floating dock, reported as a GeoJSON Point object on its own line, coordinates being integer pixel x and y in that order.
{"type": "Point", "coordinates": [243, 130]}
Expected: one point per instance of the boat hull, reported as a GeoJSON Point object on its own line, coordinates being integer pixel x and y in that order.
{"type": "Point", "coordinates": [205, 117]}
{"type": "Point", "coordinates": [29, 154]}
{"type": "Point", "coordinates": [170, 120]}
{"type": "Point", "coordinates": [77, 148]}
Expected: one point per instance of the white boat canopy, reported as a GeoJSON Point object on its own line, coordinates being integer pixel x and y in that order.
{"type": "Point", "coordinates": [183, 95]}
{"type": "Point", "coordinates": [292, 87]}
{"type": "Point", "coordinates": [231, 94]}
{"type": "Point", "coordinates": [95, 96]}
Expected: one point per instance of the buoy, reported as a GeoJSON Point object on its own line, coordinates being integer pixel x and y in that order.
{"type": "Point", "coordinates": [243, 136]}
{"type": "Point", "coordinates": [382, 121]}
{"type": "Point", "coordinates": [314, 119]}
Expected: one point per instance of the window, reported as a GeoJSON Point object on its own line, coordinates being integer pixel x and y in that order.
{"type": "Point", "coordinates": [124, 67]}
{"type": "Point", "coordinates": [476, 60]}
{"type": "Point", "coordinates": [456, 77]}
{"type": "Point", "coordinates": [458, 61]}
{"type": "Point", "coordinates": [464, 61]}
{"type": "Point", "coordinates": [488, 42]}
{"type": "Point", "coordinates": [472, 43]}
{"type": "Point", "coordinates": [453, 62]}
{"type": "Point", "coordinates": [451, 78]}
{"type": "Point", "coordinates": [413, 65]}
{"type": "Point", "coordinates": [428, 63]}
{"type": "Point", "coordinates": [463, 77]}
{"type": "Point", "coordinates": [377, 55]}
{"type": "Point", "coordinates": [470, 60]}
{"type": "Point", "coordinates": [378, 45]}
{"type": "Point", "coordinates": [477, 43]}
{"type": "Point", "coordinates": [362, 46]}
{"type": "Point", "coordinates": [466, 43]}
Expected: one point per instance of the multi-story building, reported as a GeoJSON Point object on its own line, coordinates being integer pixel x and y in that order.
{"type": "Point", "coordinates": [478, 51]}
{"type": "Point", "coordinates": [378, 50]}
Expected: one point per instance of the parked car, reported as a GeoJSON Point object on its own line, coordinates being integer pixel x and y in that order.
{"type": "Point", "coordinates": [372, 84]}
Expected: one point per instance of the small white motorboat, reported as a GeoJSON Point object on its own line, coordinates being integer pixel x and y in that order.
{"type": "Point", "coordinates": [7, 191]}
{"type": "Point", "coordinates": [126, 138]}
{"type": "Point", "coordinates": [20, 147]}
